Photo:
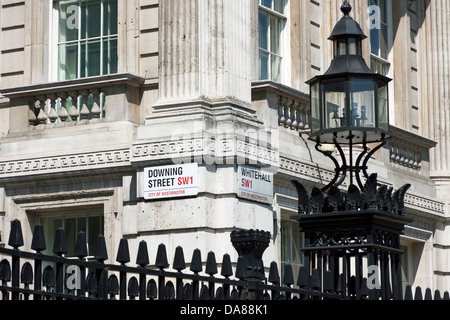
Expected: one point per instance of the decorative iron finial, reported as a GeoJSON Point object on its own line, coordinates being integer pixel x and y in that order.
{"type": "Point", "coordinates": [346, 8]}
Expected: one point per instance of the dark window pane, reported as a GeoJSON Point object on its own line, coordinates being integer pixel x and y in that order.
{"type": "Point", "coordinates": [68, 20]}
{"type": "Point", "coordinates": [110, 56]}
{"type": "Point", "coordinates": [375, 41]}
{"type": "Point", "coordinates": [68, 61]}
{"type": "Point", "coordinates": [90, 59]}
{"type": "Point", "coordinates": [90, 19]}
{"type": "Point", "coordinates": [279, 6]}
{"type": "Point", "coordinates": [263, 65]}
{"type": "Point", "coordinates": [110, 17]}
{"type": "Point", "coordinates": [267, 3]}
{"type": "Point", "coordinates": [263, 31]}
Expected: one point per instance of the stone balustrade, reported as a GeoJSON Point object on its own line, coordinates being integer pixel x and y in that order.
{"type": "Point", "coordinates": [293, 113]}
{"type": "Point", "coordinates": [71, 106]}
{"type": "Point", "coordinates": [282, 106]}
{"type": "Point", "coordinates": [406, 155]}
{"type": "Point", "coordinates": [80, 101]}
{"type": "Point", "coordinates": [408, 150]}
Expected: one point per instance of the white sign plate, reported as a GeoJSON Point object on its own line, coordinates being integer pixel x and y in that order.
{"type": "Point", "coordinates": [255, 184]}
{"type": "Point", "coordinates": [171, 181]}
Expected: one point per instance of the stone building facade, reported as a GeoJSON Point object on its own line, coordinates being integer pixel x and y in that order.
{"type": "Point", "coordinates": [98, 95]}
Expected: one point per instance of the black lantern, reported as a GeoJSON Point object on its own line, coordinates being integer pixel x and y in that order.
{"type": "Point", "coordinates": [349, 103]}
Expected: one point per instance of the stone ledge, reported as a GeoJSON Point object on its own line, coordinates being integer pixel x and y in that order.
{"type": "Point", "coordinates": [78, 84]}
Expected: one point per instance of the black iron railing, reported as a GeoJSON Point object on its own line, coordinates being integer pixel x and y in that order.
{"type": "Point", "coordinates": [37, 276]}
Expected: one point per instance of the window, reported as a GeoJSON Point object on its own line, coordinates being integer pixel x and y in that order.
{"type": "Point", "coordinates": [92, 225]}
{"type": "Point", "coordinates": [379, 11]}
{"type": "Point", "coordinates": [87, 38]}
{"type": "Point", "coordinates": [405, 271]}
{"type": "Point", "coordinates": [271, 24]}
{"type": "Point", "coordinates": [291, 243]}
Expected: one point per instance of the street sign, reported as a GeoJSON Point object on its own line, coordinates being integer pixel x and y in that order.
{"type": "Point", "coordinates": [171, 181]}
{"type": "Point", "coordinates": [255, 184]}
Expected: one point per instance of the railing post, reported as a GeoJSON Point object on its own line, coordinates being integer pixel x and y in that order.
{"type": "Point", "coordinates": [123, 257]}
{"type": "Point", "coordinates": [142, 260]}
{"type": "Point", "coordinates": [15, 241]}
{"type": "Point", "coordinates": [179, 264]}
{"type": "Point", "coordinates": [81, 252]}
{"type": "Point", "coordinates": [196, 267]}
{"type": "Point", "coordinates": [161, 263]}
{"type": "Point", "coordinates": [102, 274]}
{"type": "Point", "coordinates": [38, 244]}
{"type": "Point", "coordinates": [59, 248]}
{"type": "Point", "coordinates": [226, 272]}
{"type": "Point", "coordinates": [211, 269]}
{"type": "Point", "coordinates": [250, 245]}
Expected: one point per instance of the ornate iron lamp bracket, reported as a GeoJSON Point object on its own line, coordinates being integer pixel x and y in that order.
{"type": "Point", "coordinates": [342, 169]}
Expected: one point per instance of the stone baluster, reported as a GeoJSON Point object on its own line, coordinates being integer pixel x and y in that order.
{"type": "Point", "coordinates": [84, 111]}
{"type": "Point", "coordinates": [63, 114]}
{"type": "Point", "coordinates": [418, 160]}
{"type": "Point", "coordinates": [409, 159]}
{"type": "Point", "coordinates": [281, 118]}
{"type": "Point", "coordinates": [32, 119]}
{"type": "Point", "coordinates": [393, 153]}
{"type": "Point", "coordinates": [40, 110]}
{"type": "Point", "coordinates": [96, 110]}
{"type": "Point", "coordinates": [401, 155]}
{"type": "Point", "coordinates": [52, 114]}
{"type": "Point", "coordinates": [287, 112]}
{"type": "Point", "coordinates": [305, 115]}
{"type": "Point", "coordinates": [295, 115]}
{"type": "Point", "coordinates": [73, 114]}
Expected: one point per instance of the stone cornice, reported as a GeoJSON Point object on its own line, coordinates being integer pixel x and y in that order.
{"type": "Point", "coordinates": [409, 137]}
{"type": "Point", "coordinates": [281, 89]}
{"type": "Point", "coordinates": [214, 149]}
{"type": "Point", "coordinates": [202, 149]}
{"type": "Point", "coordinates": [78, 84]}
{"type": "Point", "coordinates": [51, 164]}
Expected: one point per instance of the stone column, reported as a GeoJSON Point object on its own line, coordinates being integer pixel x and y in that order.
{"type": "Point", "coordinates": [37, 42]}
{"type": "Point", "coordinates": [438, 34]}
{"type": "Point", "coordinates": [128, 29]}
{"type": "Point", "coordinates": [206, 51]}
{"type": "Point", "coordinates": [436, 83]}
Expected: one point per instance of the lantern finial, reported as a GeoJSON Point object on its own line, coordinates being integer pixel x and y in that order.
{"type": "Point", "coordinates": [346, 8]}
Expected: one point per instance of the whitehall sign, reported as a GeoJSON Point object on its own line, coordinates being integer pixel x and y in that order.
{"type": "Point", "coordinates": [255, 184]}
{"type": "Point", "coordinates": [171, 181]}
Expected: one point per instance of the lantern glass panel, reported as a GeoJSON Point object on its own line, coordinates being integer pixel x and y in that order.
{"type": "Point", "coordinates": [354, 46]}
{"type": "Point", "coordinates": [334, 98]}
{"type": "Point", "coordinates": [383, 115]}
{"type": "Point", "coordinates": [362, 112]}
{"type": "Point", "coordinates": [315, 107]}
{"type": "Point", "coordinates": [340, 47]}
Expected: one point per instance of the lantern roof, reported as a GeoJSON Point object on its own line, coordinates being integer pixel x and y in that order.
{"type": "Point", "coordinates": [348, 64]}
{"type": "Point", "coordinates": [347, 27]}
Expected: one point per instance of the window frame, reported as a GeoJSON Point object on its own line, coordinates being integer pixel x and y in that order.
{"type": "Point", "coordinates": [376, 60]}
{"type": "Point", "coordinates": [283, 45]}
{"type": "Point", "coordinates": [64, 216]}
{"type": "Point", "coordinates": [55, 43]}
{"type": "Point", "coordinates": [293, 227]}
